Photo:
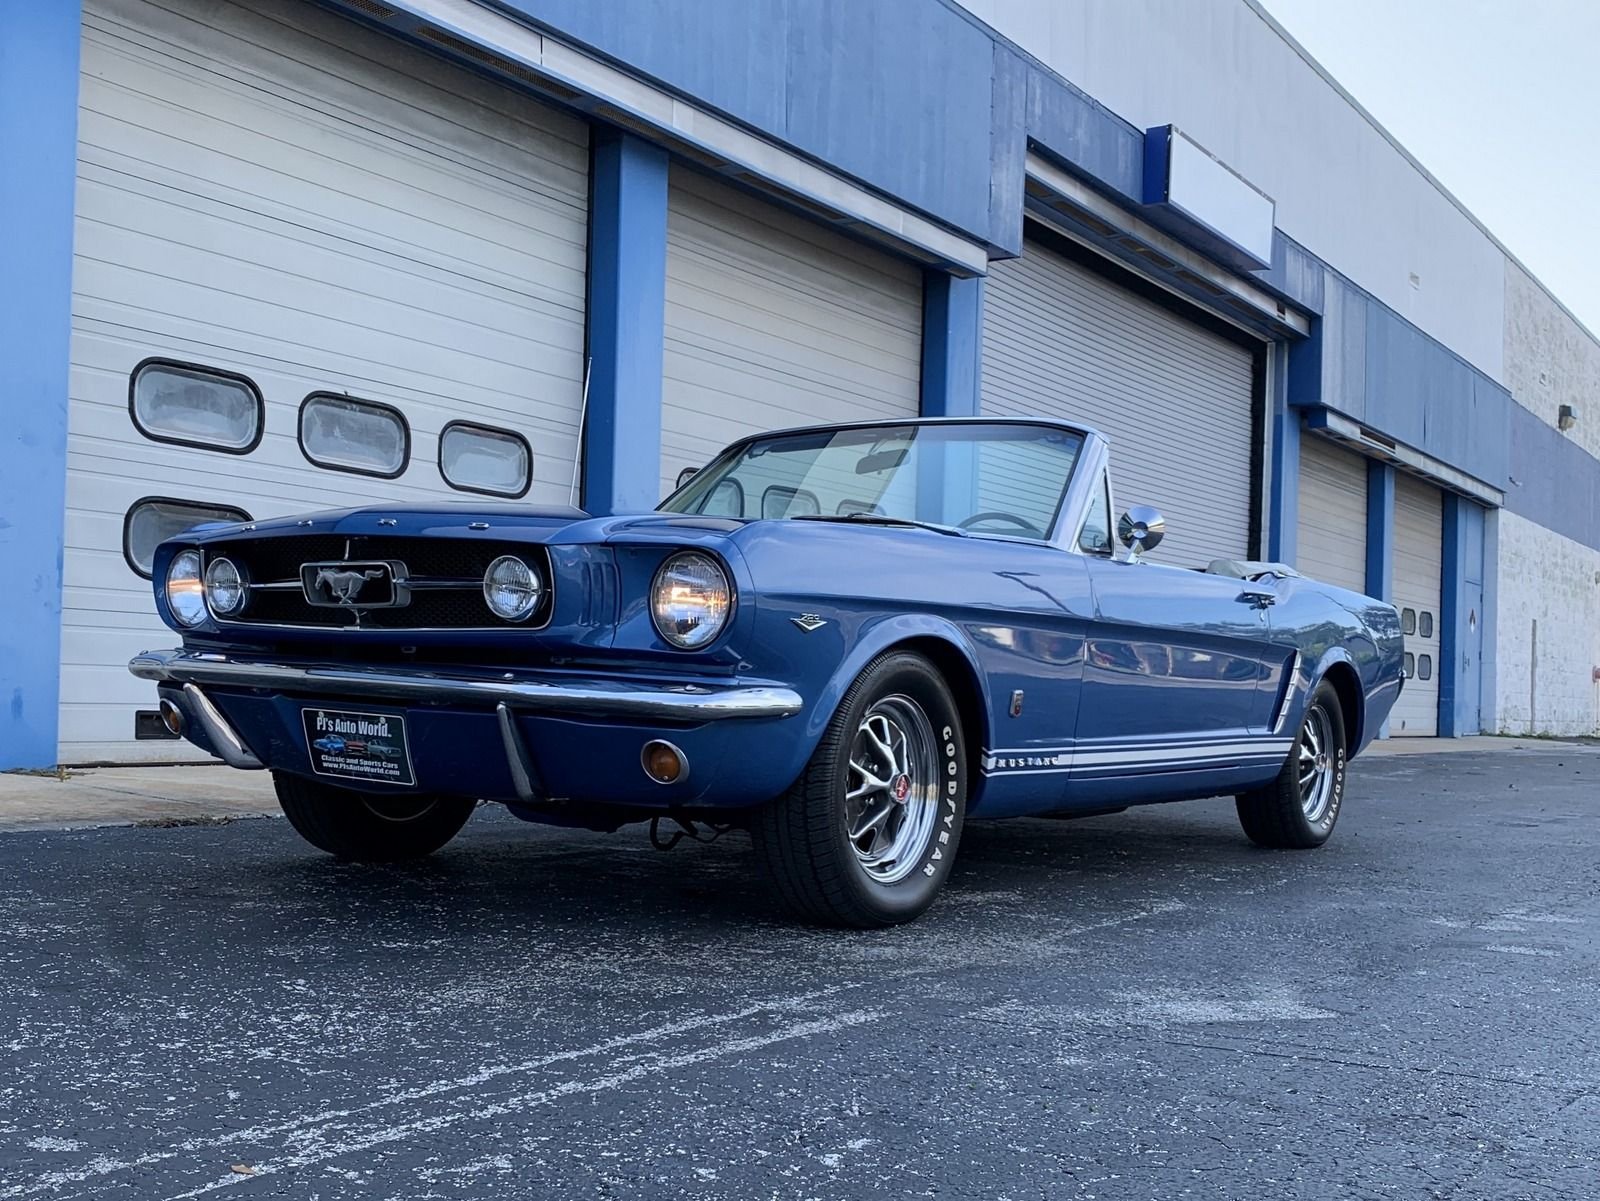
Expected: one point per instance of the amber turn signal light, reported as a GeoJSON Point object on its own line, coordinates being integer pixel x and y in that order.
{"type": "Point", "coordinates": [663, 762]}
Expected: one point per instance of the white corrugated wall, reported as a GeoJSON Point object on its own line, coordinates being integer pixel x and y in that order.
{"type": "Point", "coordinates": [776, 321]}
{"type": "Point", "coordinates": [273, 190]}
{"type": "Point", "coordinates": [1175, 399]}
{"type": "Point", "coordinates": [1418, 574]}
{"type": "Point", "coordinates": [1333, 513]}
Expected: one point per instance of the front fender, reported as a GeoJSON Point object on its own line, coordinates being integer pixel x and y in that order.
{"type": "Point", "coordinates": [1313, 674]}
{"type": "Point", "coordinates": [881, 635]}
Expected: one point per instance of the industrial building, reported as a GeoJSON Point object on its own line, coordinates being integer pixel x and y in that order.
{"type": "Point", "coordinates": [265, 256]}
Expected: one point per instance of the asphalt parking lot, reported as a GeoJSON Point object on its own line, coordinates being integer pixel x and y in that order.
{"type": "Point", "coordinates": [1132, 1006]}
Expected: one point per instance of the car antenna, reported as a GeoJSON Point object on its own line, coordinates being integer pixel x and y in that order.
{"type": "Point", "coordinates": [583, 418]}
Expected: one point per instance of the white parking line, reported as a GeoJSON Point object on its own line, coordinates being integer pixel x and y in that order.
{"type": "Point", "coordinates": [357, 1143]}
{"type": "Point", "coordinates": [102, 1165]}
{"type": "Point", "coordinates": [332, 1133]}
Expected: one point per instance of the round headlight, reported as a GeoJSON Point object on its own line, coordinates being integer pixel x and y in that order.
{"type": "Point", "coordinates": [225, 587]}
{"type": "Point", "coordinates": [690, 600]}
{"type": "Point", "coordinates": [186, 595]}
{"type": "Point", "coordinates": [512, 589]}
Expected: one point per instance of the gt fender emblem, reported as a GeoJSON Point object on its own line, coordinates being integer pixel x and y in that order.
{"type": "Point", "coordinates": [809, 622]}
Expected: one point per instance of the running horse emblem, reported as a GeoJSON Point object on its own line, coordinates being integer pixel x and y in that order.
{"type": "Point", "coordinates": [346, 586]}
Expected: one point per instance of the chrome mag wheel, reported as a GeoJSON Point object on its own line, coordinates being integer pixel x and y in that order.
{"type": "Point", "coordinates": [1316, 764]}
{"type": "Point", "coordinates": [892, 794]}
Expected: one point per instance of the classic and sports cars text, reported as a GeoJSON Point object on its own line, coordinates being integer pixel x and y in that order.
{"type": "Point", "coordinates": [847, 639]}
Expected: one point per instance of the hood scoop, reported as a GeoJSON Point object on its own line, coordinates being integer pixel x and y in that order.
{"type": "Point", "coordinates": [682, 521]}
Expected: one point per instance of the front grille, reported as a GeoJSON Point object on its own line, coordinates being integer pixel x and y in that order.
{"type": "Point", "coordinates": [445, 574]}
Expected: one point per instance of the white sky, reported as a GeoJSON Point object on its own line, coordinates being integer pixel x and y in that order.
{"type": "Point", "coordinates": [1499, 99]}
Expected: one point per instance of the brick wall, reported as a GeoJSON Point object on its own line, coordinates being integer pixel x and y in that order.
{"type": "Point", "coordinates": [1547, 686]}
{"type": "Point", "coordinates": [1555, 582]}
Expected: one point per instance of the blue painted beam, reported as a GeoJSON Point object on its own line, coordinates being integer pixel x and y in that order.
{"type": "Point", "coordinates": [38, 165]}
{"type": "Point", "coordinates": [1380, 538]}
{"type": "Point", "coordinates": [627, 315]}
{"type": "Point", "coordinates": [1283, 504]}
{"type": "Point", "coordinates": [1380, 530]}
{"type": "Point", "coordinates": [952, 345]}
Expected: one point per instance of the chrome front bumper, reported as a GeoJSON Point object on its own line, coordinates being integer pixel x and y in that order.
{"type": "Point", "coordinates": [507, 693]}
{"type": "Point", "coordinates": [518, 690]}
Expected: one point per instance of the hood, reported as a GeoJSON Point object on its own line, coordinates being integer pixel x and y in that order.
{"type": "Point", "coordinates": [549, 524]}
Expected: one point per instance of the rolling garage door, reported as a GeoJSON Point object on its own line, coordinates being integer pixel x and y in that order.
{"type": "Point", "coordinates": [275, 202]}
{"type": "Point", "coordinates": [1333, 514]}
{"type": "Point", "coordinates": [1174, 399]}
{"type": "Point", "coordinates": [1418, 570]}
{"type": "Point", "coordinates": [775, 321]}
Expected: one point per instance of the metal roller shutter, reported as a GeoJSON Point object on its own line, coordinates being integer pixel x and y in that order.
{"type": "Point", "coordinates": [1333, 514]}
{"type": "Point", "coordinates": [1175, 400]}
{"type": "Point", "coordinates": [774, 321]}
{"type": "Point", "coordinates": [1418, 571]}
{"type": "Point", "coordinates": [277, 191]}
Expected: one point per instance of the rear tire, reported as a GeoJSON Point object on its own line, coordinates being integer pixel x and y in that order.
{"type": "Point", "coordinates": [1298, 810]}
{"type": "Point", "coordinates": [891, 769]}
{"type": "Point", "coordinates": [369, 827]}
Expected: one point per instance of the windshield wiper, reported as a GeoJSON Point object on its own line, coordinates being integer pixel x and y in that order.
{"type": "Point", "coordinates": [884, 519]}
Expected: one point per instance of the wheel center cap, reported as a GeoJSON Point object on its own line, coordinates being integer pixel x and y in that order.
{"type": "Point", "coordinates": [900, 789]}
{"type": "Point", "coordinates": [1322, 761]}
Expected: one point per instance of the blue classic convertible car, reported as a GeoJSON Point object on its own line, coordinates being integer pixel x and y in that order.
{"type": "Point", "coordinates": [847, 639]}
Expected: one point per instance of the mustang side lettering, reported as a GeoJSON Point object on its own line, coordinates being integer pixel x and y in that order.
{"type": "Point", "coordinates": [847, 639]}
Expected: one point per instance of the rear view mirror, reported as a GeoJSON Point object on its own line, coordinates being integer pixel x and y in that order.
{"type": "Point", "coordinates": [881, 460]}
{"type": "Point", "coordinates": [687, 474]}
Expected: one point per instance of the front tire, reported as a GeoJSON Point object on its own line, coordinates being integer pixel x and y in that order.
{"type": "Point", "coordinates": [369, 827]}
{"type": "Point", "coordinates": [1298, 810]}
{"type": "Point", "coordinates": [867, 835]}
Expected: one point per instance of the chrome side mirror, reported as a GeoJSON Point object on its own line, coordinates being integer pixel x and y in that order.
{"type": "Point", "coordinates": [1141, 529]}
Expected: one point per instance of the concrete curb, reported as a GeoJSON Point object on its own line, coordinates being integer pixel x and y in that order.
{"type": "Point", "coordinates": [80, 798]}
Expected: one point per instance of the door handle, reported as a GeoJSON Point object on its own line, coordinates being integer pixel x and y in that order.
{"type": "Point", "coordinates": [1258, 598]}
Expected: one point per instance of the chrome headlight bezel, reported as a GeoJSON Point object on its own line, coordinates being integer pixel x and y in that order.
{"type": "Point", "coordinates": [185, 589]}
{"type": "Point", "coordinates": [217, 589]}
{"type": "Point", "coordinates": [532, 584]}
{"type": "Point", "coordinates": [713, 596]}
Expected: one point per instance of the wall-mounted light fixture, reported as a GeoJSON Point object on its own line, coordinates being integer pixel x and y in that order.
{"type": "Point", "coordinates": [1566, 417]}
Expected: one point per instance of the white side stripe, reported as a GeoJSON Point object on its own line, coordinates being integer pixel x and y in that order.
{"type": "Point", "coordinates": [1053, 760]}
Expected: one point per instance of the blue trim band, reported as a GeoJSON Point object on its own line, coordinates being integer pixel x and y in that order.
{"type": "Point", "coordinates": [627, 316]}
{"type": "Point", "coordinates": [1554, 482]}
{"type": "Point", "coordinates": [952, 345]}
{"type": "Point", "coordinates": [38, 134]}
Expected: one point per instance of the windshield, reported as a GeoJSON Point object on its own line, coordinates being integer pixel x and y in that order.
{"type": "Point", "coordinates": [991, 479]}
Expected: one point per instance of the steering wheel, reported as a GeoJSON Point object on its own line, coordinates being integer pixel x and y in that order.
{"type": "Point", "coordinates": [1027, 527]}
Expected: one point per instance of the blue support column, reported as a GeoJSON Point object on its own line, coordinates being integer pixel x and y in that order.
{"type": "Point", "coordinates": [1283, 504]}
{"type": "Point", "coordinates": [952, 350]}
{"type": "Point", "coordinates": [1380, 538]}
{"type": "Point", "coordinates": [1461, 621]}
{"type": "Point", "coordinates": [952, 345]}
{"type": "Point", "coordinates": [627, 312]}
{"type": "Point", "coordinates": [1380, 530]}
{"type": "Point", "coordinates": [38, 166]}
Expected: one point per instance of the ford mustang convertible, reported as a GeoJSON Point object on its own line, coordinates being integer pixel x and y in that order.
{"type": "Point", "coordinates": [847, 639]}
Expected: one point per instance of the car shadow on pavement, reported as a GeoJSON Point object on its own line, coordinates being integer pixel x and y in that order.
{"type": "Point", "coordinates": [500, 870]}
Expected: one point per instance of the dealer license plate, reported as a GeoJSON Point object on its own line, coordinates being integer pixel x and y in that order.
{"type": "Point", "coordinates": [366, 747]}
